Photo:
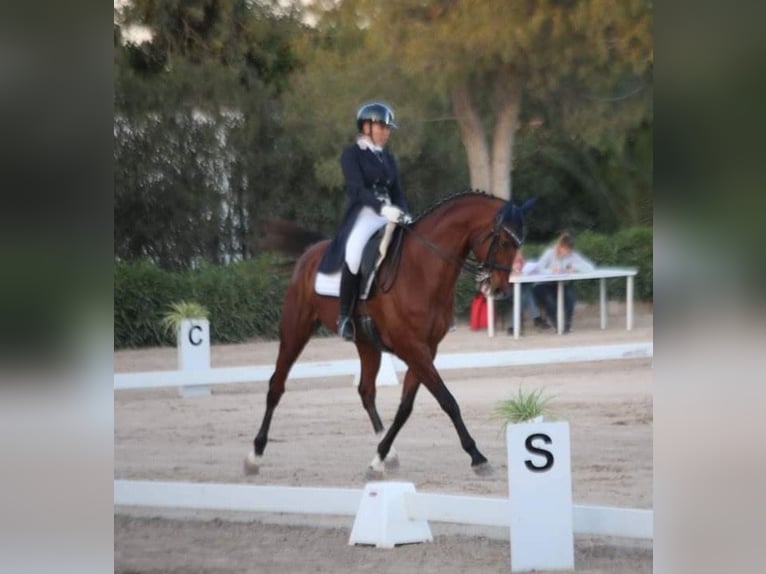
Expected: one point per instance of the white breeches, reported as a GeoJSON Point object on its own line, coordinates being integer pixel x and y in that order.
{"type": "Point", "coordinates": [367, 223]}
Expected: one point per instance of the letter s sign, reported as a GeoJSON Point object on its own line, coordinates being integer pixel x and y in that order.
{"type": "Point", "coordinates": [539, 451]}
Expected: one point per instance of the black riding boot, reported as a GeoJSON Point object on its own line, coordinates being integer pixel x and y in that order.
{"type": "Point", "coordinates": [349, 291]}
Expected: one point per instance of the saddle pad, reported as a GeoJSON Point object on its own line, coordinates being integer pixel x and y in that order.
{"type": "Point", "coordinates": [329, 284]}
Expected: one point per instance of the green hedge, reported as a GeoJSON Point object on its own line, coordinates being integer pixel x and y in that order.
{"type": "Point", "coordinates": [142, 293]}
{"type": "Point", "coordinates": [245, 299]}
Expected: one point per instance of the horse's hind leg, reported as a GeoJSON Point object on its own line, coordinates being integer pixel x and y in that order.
{"type": "Point", "coordinates": [295, 330]}
{"type": "Point", "coordinates": [385, 447]}
{"type": "Point", "coordinates": [370, 360]}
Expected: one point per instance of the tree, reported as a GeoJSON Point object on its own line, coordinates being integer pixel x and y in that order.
{"type": "Point", "coordinates": [342, 68]}
{"type": "Point", "coordinates": [491, 56]}
{"type": "Point", "coordinates": [201, 157]}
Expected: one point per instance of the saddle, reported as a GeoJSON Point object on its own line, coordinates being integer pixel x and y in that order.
{"type": "Point", "coordinates": [373, 256]}
{"type": "Point", "coordinates": [375, 253]}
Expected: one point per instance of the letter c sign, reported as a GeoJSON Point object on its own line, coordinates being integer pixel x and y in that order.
{"type": "Point", "coordinates": [192, 340]}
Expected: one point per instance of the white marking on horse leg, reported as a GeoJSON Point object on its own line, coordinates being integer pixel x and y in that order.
{"type": "Point", "coordinates": [377, 464]}
{"type": "Point", "coordinates": [252, 462]}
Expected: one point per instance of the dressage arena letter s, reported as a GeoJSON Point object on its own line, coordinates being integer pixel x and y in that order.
{"type": "Point", "coordinates": [191, 332]}
{"type": "Point", "coordinates": [542, 537]}
{"type": "Point", "coordinates": [539, 451]}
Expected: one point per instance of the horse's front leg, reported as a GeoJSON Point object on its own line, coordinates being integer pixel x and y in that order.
{"type": "Point", "coordinates": [449, 405]}
{"type": "Point", "coordinates": [386, 453]}
{"type": "Point", "coordinates": [423, 367]}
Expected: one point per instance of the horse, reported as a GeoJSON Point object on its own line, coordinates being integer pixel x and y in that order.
{"type": "Point", "coordinates": [411, 317]}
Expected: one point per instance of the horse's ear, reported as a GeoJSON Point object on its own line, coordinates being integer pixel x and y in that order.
{"type": "Point", "coordinates": [528, 204]}
{"type": "Point", "coordinates": [504, 213]}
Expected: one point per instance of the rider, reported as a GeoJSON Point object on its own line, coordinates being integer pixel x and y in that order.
{"type": "Point", "coordinates": [375, 198]}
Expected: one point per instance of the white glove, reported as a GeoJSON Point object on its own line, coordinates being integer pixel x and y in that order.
{"type": "Point", "coordinates": [406, 218]}
{"type": "Point", "coordinates": [392, 213]}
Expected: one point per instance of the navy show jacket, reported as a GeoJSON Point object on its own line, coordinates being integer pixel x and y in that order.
{"type": "Point", "coordinates": [370, 177]}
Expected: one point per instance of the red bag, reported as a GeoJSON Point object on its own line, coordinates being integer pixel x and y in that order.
{"type": "Point", "coordinates": [478, 312]}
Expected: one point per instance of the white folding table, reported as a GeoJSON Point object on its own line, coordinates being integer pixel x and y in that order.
{"type": "Point", "coordinates": [600, 273]}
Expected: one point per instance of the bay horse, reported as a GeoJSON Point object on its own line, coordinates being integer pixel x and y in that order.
{"type": "Point", "coordinates": [411, 318]}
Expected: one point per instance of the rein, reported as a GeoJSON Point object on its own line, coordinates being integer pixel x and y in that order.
{"type": "Point", "coordinates": [473, 269]}
{"type": "Point", "coordinates": [481, 270]}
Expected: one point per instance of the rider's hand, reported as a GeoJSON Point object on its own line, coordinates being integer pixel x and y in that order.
{"type": "Point", "coordinates": [405, 218]}
{"type": "Point", "coordinates": [392, 213]}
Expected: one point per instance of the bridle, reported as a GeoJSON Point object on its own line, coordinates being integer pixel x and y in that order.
{"type": "Point", "coordinates": [486, 267]}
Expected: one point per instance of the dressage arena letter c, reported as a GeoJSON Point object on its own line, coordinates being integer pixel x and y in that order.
{"type": "Point", "coordinates": [539, 451]}
{"type": "Point", "coordinates": [199, 341]}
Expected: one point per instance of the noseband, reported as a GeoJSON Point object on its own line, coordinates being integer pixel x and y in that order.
{"type": "Point", "coordinates": [489, 265]}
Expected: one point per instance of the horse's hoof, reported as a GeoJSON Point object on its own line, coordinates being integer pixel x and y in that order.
{"type": "Point", "coordinates": [251, 464]}
{"type": "Point", "coordinates": [391, 463]}
{"type": "Point", "coordinates": [483, 469]}
{"type": "Point", "coordinates": [372, 474]}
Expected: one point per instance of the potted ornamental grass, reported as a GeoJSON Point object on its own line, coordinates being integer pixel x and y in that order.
{"type": "Point", "coordinates": [179, 312]}
{"type": "Point", "coordinates": [525, 407]}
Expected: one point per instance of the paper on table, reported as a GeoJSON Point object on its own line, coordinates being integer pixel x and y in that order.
{"type": "Point", "coordinates": [529, 268]}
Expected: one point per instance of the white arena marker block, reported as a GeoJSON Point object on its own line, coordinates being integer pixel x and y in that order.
{"type": "Point", "coordinates": [382, 518]}
{"type": "Point", "coordinates": [193, 342]}
{"type": "Point", "coordinates": [540, 495]}
{"type": "Point", "coordinates": [386, 375]}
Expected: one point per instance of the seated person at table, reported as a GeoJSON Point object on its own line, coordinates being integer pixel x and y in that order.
{"type": "Point", "coordinates": [528, 303]}
{"type": "Point", "coordinates": [560, 258]}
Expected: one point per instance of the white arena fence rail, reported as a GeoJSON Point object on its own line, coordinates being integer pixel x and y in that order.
{"type": "Point", "coordinates": [483, 511]}
{"type": "Point", "coordinates": [350, 367]}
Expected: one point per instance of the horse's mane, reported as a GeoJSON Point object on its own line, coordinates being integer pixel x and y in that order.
{"type": "Point", "coordinates": [438, 203]}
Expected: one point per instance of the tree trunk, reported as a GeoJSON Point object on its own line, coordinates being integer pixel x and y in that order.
{"type": "Point", "coordinates": [492, 174]}
{"type": "Point", "coordinates": [474, 139]}
{"type": "Point", "coordinates": [506, 120]}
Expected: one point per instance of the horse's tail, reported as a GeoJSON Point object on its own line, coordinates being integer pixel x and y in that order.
{"type": "Point", "coordinates": [287, 237]}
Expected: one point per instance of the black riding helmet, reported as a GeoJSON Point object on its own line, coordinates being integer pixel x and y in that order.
{"type": "Point", "coordinates": [375, 112]}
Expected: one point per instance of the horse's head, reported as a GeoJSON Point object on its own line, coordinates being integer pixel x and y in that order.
{"type": "Point", "coordinates": [497, 250]}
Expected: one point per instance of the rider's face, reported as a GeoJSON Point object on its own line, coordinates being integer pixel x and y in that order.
{"type": "Point", "coordinates": [379, 133]}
